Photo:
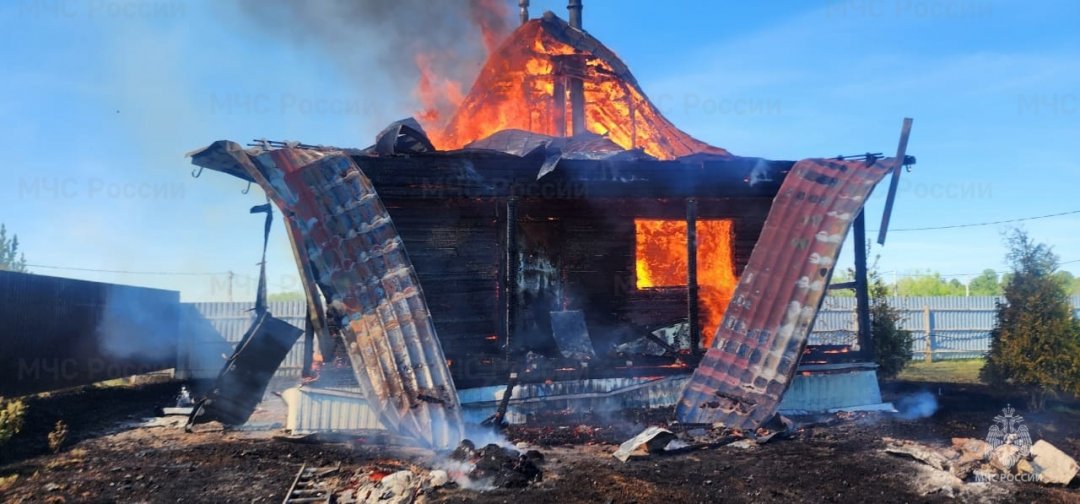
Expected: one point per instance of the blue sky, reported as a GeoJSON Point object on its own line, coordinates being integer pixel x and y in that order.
{"type": "Point", "coordinates": [101, 100]}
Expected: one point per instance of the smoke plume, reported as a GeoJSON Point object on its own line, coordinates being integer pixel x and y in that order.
{"type": "Point", "coordinates": [432, 49]}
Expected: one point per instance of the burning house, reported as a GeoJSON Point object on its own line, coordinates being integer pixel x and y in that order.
{"type": "Point", "coordinates": [557, 241]}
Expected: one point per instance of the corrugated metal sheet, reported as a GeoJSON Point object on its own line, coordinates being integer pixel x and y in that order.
{"type": "Point", "coordinates": [361, 261]}
{"type": "Point", "coordinates": [348, 238]}
{"type": "Point", "coordinates": [314, 409]}
{"type": "Point", "coordinates": [757, 346]}
{"type": "Point", "coordinates": [596, 395]}
{"type": "Point", "coordinates": [820, 392]}
{"type": "Point", "coordinates": [248, 371]}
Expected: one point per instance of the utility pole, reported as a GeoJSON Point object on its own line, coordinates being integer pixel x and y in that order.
{"type": "Point", "coordinates": [230, 275]}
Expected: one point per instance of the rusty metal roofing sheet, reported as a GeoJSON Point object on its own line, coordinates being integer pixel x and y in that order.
{"type": "Point", "coordinates": [346, 235]}
{"type": "Point", "coordinates": [362, 264]}
{"type": "Point", "coordinates": [742, 377]}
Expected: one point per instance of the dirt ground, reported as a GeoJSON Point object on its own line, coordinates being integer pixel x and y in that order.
{"type": "Point", "coordinates": [109, 457]}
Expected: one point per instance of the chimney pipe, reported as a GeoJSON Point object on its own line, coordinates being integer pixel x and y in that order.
{"type": "Point", "coordinates": [523, 6]}
{"type": "Point", "coordinates": [575, 13]}
{"type": "Point", "coordinates": [577, 86]}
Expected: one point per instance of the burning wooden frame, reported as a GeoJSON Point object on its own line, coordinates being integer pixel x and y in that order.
{"type": "Point", "coordinates": [524, 232]}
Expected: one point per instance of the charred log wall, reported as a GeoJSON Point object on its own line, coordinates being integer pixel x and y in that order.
{"type": "Point", "coordinates": [454, 247]}
{"type": "Point", "coordinates": [575, 241]}
{"type": "Point", "coordinates": [590, 246]}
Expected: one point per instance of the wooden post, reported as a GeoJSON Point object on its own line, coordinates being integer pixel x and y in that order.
{"type": "Point", "coordinates": [309, 345]}
{"type": "Point", "coordinates": [862, 288]}
{"type": "Point", "coordinates": [509, 287]}
{"type": "Point", "coordinates": [928, 322]}
{"type": "Point", "coordinates": [691, 276]}
{"type": "Point", "coordinates": [559, 94]}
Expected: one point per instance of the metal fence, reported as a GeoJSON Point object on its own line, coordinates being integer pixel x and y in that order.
{"type": "Point", "coordinates": [61, 332]}
{"type": "Point", "coordinates": [955, 327]}
{"type": "Point", "coordinates": [943, 327]}
{"type": "Point", "coordinates": [212, 330]}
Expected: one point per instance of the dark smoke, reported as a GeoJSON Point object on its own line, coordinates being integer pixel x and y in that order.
{"type": "Point", "coordinates": [380, 40]}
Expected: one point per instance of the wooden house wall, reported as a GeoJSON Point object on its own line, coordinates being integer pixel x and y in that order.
{"type": "Point", "coordinates": [573, 254]}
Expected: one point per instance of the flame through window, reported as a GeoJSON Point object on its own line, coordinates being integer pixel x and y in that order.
{"type": "Point", "coordinates": [660, 256]}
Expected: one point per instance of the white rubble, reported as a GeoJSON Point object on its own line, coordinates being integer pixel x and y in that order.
{"type": "Point", "coordinates": [1052, 465]}
{"type": "Point", "coordinates": [395, 488]}
{"type": "Point", "coordinates": [438, 478]}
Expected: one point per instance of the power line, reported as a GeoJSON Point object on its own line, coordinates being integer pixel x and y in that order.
{"type": "Point", "coordinates": [979, 224]}
{"type": "Point", "coordinates": [128, 272]}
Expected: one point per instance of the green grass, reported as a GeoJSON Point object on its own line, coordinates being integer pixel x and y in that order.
{"type": "Point", "coordinates": [948, 371]}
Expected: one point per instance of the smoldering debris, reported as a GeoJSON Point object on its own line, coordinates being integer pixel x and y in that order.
{"type": "Point", "coordinates": [680, 438]}
{"type": "Point", "coordinates": [492, 466]}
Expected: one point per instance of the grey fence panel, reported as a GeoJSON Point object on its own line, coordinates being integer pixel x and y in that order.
{"type": "Point", "coordinates": [230, 321]}
{"type": "Point", "coordinates": [958, 327]}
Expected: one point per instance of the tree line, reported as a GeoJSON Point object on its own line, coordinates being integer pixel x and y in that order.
{"type": "Point", "coordinates": [932, 283]}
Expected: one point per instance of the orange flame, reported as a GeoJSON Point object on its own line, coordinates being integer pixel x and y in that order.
{"type": "Point", "coordinates": [524, 86]}
{"type": "Point", "coordinates": [440, 95]}
{"type": "Point", "coordinates": [661, 262]}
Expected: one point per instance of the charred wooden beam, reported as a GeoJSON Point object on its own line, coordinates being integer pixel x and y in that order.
{"type": "Point", "coordinates": [510, 278]}
{"type": "Point", "coordinates": [691, 275]}
{"type": "Point", "coordinates": [309, 345]}
{"type": "Point", "coordinates": [559, 95]}
{"type": "Point", "coordinates": [901, 154]}
{"type": "Point", "coordinates": [577, 105]}
{"type": "Point", "coordinates": [862, 289]}
{"type": "Point", "coordinates": [441, 177]}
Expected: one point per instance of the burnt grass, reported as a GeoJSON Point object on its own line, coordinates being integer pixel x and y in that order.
{"type": "Point", "coordinates": [829, 459]}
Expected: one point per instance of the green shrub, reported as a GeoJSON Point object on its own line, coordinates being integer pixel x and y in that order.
{"type": "Point", "coordinates": [1035, 343]}
{"type": "Point", "coordinates": [892, 345]}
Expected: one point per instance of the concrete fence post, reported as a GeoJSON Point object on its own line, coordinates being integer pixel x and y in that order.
{"type": "Point", "coordinates": [928, 322]}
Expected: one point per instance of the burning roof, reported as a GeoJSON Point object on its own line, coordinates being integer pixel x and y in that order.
{"type": "Point", "coordinates": [523, 86]}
